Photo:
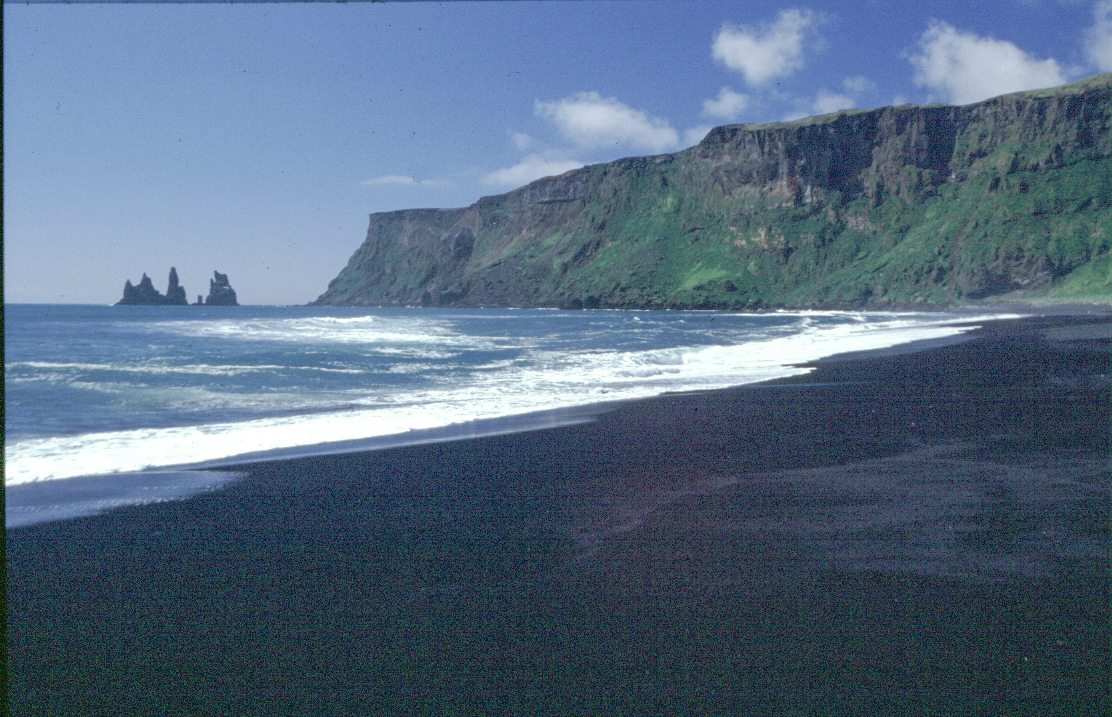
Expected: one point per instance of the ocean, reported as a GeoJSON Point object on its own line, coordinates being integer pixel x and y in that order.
{"type": "Point", "coordinates": [106, 406]}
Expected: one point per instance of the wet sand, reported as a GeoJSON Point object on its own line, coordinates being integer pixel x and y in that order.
{"type": "Point", "coordinates": [897, 533]}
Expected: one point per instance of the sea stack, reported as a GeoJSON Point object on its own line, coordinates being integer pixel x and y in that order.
{"type": "Point", "coordinates": [221, 292]}
{"type": "Point", "coordinates": [146, 295]}
{"type": "Point", "coordinates": [175, 292]}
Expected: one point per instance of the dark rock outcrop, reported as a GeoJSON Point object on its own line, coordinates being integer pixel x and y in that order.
{"type": "Point", "coordinates": [146, 295]}
{"type": "Point", "coordinates": [221, 292]}
{"type": "Point", "coordinates": [175, 292]}
{"type": "Point", "coordinates": [890, 206]}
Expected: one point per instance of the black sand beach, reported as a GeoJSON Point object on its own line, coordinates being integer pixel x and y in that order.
{"type": "Point", "coordinates": [920, 533]}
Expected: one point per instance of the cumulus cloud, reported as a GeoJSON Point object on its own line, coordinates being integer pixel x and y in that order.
{"type": "Point", "coordinates": [523, 141]}
{"type": "Point", "coordinates": [762, 53]}
{"type": "Point", "coordinates": [532, 166]}
{"type": "Point", "coordinates": [728, 105]}
{"type": "Point", "coordinates": [962, 67]}
{"type": "Point", "coordinates": [858, 85]}
{"type": "Point", "coordinates": [590, 120]}
{"type": "Point", "coordinates": [1098, 38]}
{"type": "Point", "coordinates": [827, 102]}
{"type": "Point", "coordinates": [849, 97]}
{"type": "Point", "coordinates": [401, 180]}
{"type": "Point", "coordinates": [695, 135]}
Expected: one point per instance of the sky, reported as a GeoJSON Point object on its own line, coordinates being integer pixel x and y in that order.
{"type": "Point", "coordinates": [254, 139]}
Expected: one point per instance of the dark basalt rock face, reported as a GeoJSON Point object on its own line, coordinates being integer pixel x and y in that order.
{"type": "Point", "coordinates": [146, 295]}
{"type": "Point", "coordinates": [221, 292]}
{"type": "Point", "coordinates": [884, 207]}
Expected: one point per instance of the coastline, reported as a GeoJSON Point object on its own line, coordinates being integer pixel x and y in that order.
{"type": "Point", "coordinates": [132, 452]}
{"type": "Point", "coordinates": [920, 530]}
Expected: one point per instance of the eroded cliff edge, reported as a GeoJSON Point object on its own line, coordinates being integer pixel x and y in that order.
{"type": "Point", "coordinates": [898, 205]}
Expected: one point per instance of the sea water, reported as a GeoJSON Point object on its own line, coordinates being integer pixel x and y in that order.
{"type": "Point", "coordinates": [144, 393]}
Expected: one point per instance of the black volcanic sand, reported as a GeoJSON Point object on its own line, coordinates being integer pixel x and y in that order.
{"type": "Point", "coordinates": [916, 534]}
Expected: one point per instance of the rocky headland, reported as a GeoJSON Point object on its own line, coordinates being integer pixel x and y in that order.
{"type": "Point", "coordinates": [907, 205]}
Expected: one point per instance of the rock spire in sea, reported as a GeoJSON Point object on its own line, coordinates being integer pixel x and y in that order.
{"type": "Point", "coordinates": [221, 292]}
{"type": "Point", "coordinates": [146, 295]}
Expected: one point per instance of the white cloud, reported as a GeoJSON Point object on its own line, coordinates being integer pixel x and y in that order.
{"type": "Point", "coordinates": [962, 67]}
{"type": "Point", "coordinates": [395, 180]}
{"type": "Point", "coordinates": [523, 141]}
{"type": "Point", "coordinates": [728, 105]}
{"type": "Point", "coordinates": [765, 52]}
{"type": "Point", "coordinates": [695, 135]}
{"type": "Point", "coordinates": [858, 85]}
{"type": "Point", "coordinates": [1098, 38]}
{"type": "Point", "coordinates": [532, 166]}
{"type": "Point", "coordinates": [827, 102]}
{"type": "Point", "coordinates": [401, 180]}
{"type": "Point", "coordinates": [590, 120]}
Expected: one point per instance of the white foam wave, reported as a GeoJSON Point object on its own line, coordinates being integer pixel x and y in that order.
{"type": "Point", "coordinates": [57, 367]}
{"type": "Point", "coordinates": [376, 331]}
{"type": "Point", "coordinates": [547, 381]}
{"type": "Point", "coordinates": [200, 399]}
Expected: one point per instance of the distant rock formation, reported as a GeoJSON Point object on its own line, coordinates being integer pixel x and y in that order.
{"type": "Point", "coordinates": [175, 292]}
{"type": "Point", "coordinates": [146, 295]}
{"type": "Point", "coordinates": [221, 292]}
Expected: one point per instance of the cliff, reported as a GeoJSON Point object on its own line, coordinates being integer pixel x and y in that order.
{"type": "Point", "coordinates": [897, 205]}
{"type": "Point", "coordinates": [145, 294]}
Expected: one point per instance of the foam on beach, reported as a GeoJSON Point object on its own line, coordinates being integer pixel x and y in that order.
{"type": "Point", "coordinates": [539, 381]}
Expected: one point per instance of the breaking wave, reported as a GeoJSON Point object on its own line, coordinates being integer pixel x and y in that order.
{"type": "Point", "coordinates": [543, 372]}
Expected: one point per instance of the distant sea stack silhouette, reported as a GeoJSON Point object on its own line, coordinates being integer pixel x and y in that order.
{"type": "Point", "coordinates": [221, 292]}
{"type": "Point", "coordinates": [146, 295]}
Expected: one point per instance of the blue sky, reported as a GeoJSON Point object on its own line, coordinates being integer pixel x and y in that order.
{"type": "Point", "coordinates": [256, 138]}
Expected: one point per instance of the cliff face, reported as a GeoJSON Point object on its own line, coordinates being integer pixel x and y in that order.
{"type": "Point", "coordinates": [910, 204]}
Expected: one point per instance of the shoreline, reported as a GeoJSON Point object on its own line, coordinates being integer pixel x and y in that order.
{"type": "Point", "coordinates": [916, 531]}
{"type": "Point", "coordinates": [563, 413]}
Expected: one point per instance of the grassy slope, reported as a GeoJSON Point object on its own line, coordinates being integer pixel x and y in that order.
{"type": "Point", "coordinates": [679, 246]}
{"type": "Point", "coordinates": [671, 238]}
